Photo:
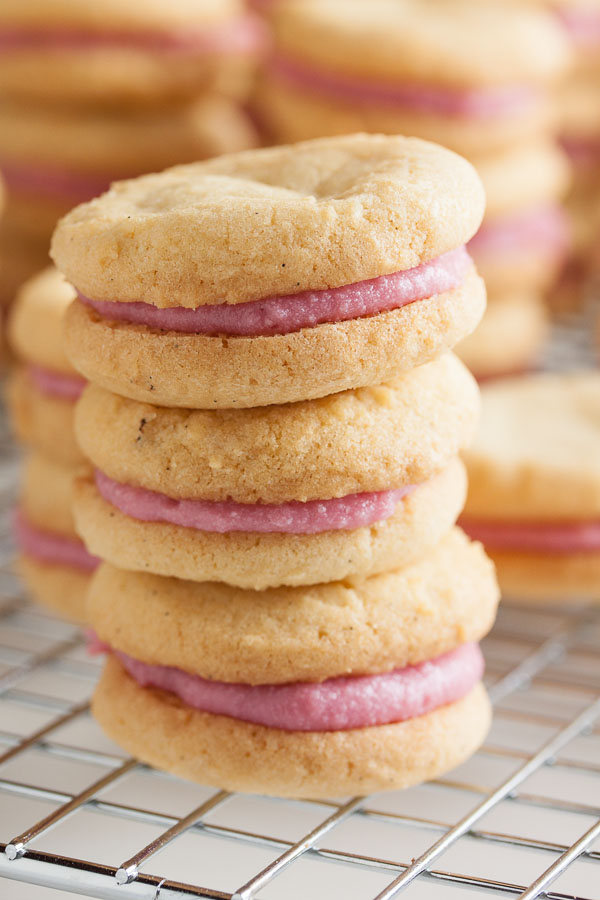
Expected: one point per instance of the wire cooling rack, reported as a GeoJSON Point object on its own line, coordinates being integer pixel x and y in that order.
{"type": "Point", "coordinates": [520, 819]}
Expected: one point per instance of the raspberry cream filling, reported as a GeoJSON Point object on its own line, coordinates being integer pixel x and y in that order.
{"type": "Point", "coordinates": [295, 517]}
{"type": "Point", "coordinates": [544, 229]}
{"type": "Point", "coordinates": [541, 537]}
{"type": "Point", "coordinates": [57, 384]}
{"type": "Point", "coordinates": [54, 549]}
{"type": "Point", "coordinates": [240, 36]}
{"type": "Point", "coordinates": [582, 25]}
{"type": "Point", "coordinates": [338, 704]}
{"type": "Point", "coordinates": [583, 152]}
{"type": "Point", "coordinates": [50, 182]}
{"type": "Point", "coordinates": [284, 315]}
{"type": "Point", "coordinates": [478, 103]}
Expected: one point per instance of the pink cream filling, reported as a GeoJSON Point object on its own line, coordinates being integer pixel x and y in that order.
{"type": "Point", "coordinates": [583, 152]}
{"type": "Point", "coordinates": [315, 516]}
{"type": "Point", "coordinates": [57, 384]}
{"type": "Point", "coordinates": [244, 35]}
{"type": "Point", "coordinates": [55, 549]}
{"type": "Point", "coordinates": [337, 704]}
{"type": "Point", "coordinates": [582, 25]}
{"type": "Point", "coordinates": [544, 228]}
{"type": "Point", "coordinates": [542, 537]}
{"type": "Point", "coordinates": [484, 103]}
{"type": "Point", "coordinates": [284, 315]}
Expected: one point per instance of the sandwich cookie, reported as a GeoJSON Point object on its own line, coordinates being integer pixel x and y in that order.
{"type": "Point", "coordinates": [473, 76]}
{"type": "Point", "coordinates": [77, 52]}
{"type": "Point", "coordinates": [54, 158]}
{"type": "Point", "coordinates": [274, 275]}
{"type": "Point", "coordinates": [367, 480]}
{"type": "Point", "coordinates": [44, 387]}
{"type": "Point", "coordinates": [534, 486]}
{"type": "Point", "coordinates": [510, 338]}
{"type": "Point", "coordinates": [525, 236]}
{"type": "Point", "coordinates": [53, 561]}
{"type": "Point", "coordinates": [330, 690]}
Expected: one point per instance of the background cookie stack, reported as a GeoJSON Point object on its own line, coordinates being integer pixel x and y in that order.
{"type": "Point", "coordinates": [91, 92]}
{"type": "Point", "coordinates": [274, 423]}
{"type": "Point", "coordinates": [473, 76]}
{"type": "Point", "coordinates": [42, 390]}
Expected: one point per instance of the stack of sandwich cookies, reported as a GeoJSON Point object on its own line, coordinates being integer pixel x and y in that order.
{"type": "Point", "coordinates": [474, 77]}
{"type": "Point", "coordinates": [306, 614]}
{"type": "Point", "coordinates": [42, 392]}
{"type": "Point", "coordinates": [534, 486]}
{"type": "Point", "coordinates": [367, 481]}
{"type": "Point", "coordinates": [312, 287]}
{"type": "Point", "coordinates": [90, 94]}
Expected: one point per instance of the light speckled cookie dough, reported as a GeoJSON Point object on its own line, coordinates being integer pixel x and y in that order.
{"type": "Point", "coordinates": [42, 421]}
{"type": "Point", "coordinates": [61, 589]}
{"type": "Point", "coordinates": [509, 338]}
{"type": "Point", "coordinates": [439, 49]}
{"type": "Point", "coordinates": [126, 53]}
{"type": "Point", "coordinates": [36, 321]}
{"type": "Point", "coordinates": [261, 560]}
{"type": "Point", "coordinates": [46, 496]}
{"type": "Point", "coordinates": [160, 730]}
{"type": "Point", "coordinates": [358, 626]}
{"type": "Point", "coordinates": [535, 455]}
{"type": "Point", "coordinates": [365, 440]}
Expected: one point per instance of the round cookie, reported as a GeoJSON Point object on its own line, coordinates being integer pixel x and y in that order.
{"type": "Point", "coordinates": [534, 484]}
{"type": "Point", "coordinates": [36, 322]}
{"type": "Point", "coordinates": [54, 159]}
{"type": "Point", "coordinates": [62, 589]}
{"type": "Point", "coordinates": [357, 441]}
{"type": "Point", "coordinates": [258, 560]}
{"type": "Point", "coordinates": [466, 74]}
{"type": "Point", "coordinates": [276, 226]}
{"type": "Point", "coordinates": [45, 506]}
{"type": "Point", "coordinates": [40, 420]}
{"type": "Point", "coordinates": [74, 51]}
{"type": "Point", "coordinates": [509, 338]}
{"type": "Point", "coordinates": [289, 634]}
{"type": "Point", "coordinates": [160, 730]}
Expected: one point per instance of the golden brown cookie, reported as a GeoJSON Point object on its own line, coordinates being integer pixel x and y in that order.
{"type": "Point", "coordinates": [369, 439]}
{"type": "Point", "coordinates": [160, 730]}
{"type": "Point", "coordinates": [36, 321]}
{"type": "Point", "coordinates": [259, 560]}
{"type": "Point", "coordinates": [62, 589]}
{"type": "Point", "coordinates": [358, 626]}
{"type": "Point", "coordinates": [77, 52]}
{"type": "Point", "coordinates": [40, 420]}
{"type": "Point", "coordinates": [465, 74]}
{"type": "Point", "coordinates": [509, 338]}
{"type": "Point", "coordinates": [46, 496]}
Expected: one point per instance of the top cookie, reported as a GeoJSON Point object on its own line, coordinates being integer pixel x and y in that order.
{"type": "Point", "coordinates": [35, 325]}
{"type": "Point", "coordinates": [536, 454]}
{"type": "Point", "coordinates": [465, 43]}
{"type": "Point", "coordinates": [262, 223]}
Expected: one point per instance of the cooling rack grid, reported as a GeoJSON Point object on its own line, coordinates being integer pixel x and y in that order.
{"type": "Point", "coordinates": [520, 819]}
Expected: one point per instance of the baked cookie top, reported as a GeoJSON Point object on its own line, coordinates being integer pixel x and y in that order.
{"type": "Point", "coordinates": [369, 439]}
{"type": "Point", "coordinates": [270, 222]}
{"type": "Point", "coordinates": [459, 44]}
{"type": "Point", "coordinates": [112, 15]}
{"type": "Point", "coordinates": [304, 633]}
{"type": "Point", "coordinates": [536, 454]}
{"type": "Point", "coordinates": [35, 324]}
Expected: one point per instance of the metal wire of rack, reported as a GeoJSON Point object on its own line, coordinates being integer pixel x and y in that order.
{"type": "Point", "coordinates": [520, 819]}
